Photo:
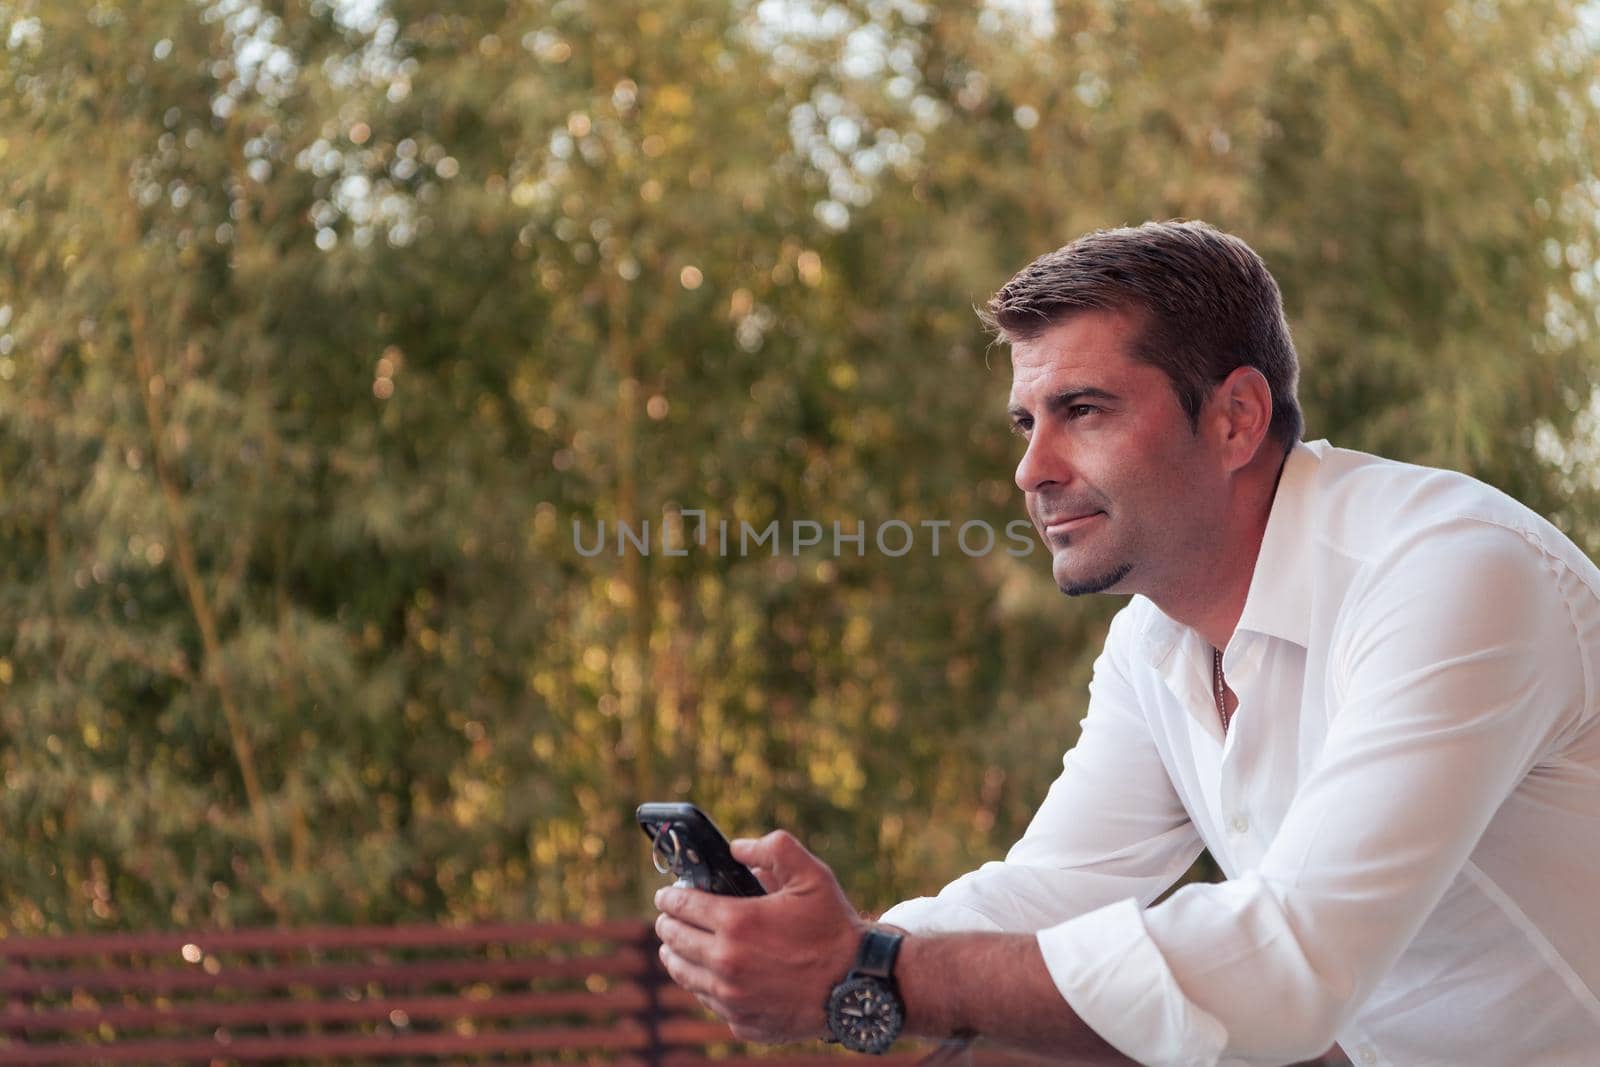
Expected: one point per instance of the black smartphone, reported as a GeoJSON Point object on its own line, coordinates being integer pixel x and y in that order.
{"type": "Point", "coordinates": [684, 842]}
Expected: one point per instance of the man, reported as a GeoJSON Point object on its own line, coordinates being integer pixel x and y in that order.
{"type": "Point", "coordinates": [1369, 688]}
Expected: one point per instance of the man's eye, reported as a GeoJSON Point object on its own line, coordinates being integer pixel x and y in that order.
{"type": "Point", "coordinates": [1021, 427]}
{"type": "Point", "coordinates": [1078, 411]}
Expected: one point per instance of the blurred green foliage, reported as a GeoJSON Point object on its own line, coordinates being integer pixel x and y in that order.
{"type": "Point", "coordinates": [322, 324]}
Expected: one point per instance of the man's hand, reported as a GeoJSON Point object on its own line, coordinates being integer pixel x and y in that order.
{"type": "Point", "coordinates": [765, 965]}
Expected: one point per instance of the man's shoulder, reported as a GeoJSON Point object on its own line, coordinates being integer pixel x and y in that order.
{"type": "Point", "coordinates": [1384, 537]}
{"type": "Point", "coordinates": [1344, 521]}
{"type": "Point", "coordinates": [1368, 508]}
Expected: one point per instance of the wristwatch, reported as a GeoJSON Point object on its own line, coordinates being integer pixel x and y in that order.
{"type": "Point", "coordinates": [865, 1012]}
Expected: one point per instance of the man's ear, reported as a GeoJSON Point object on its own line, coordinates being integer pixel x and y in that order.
{"type": "Point", "coordinates": [1242, 410]}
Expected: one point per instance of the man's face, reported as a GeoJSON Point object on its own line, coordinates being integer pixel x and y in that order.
{"type": "Point", "coordinates": [1127, 497]}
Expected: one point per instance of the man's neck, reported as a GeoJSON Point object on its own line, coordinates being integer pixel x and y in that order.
{"type": "Point", "coordinates": [1212, 600]}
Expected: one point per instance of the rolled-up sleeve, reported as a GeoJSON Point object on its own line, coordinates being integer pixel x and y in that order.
{"type": "Point", "coordinates": [1111, 827]}
{"type": "Point", "coordinates": [1456, 666]}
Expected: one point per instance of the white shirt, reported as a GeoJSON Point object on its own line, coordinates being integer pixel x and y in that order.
{"type": "Point", "coordinates": [1406, 803]}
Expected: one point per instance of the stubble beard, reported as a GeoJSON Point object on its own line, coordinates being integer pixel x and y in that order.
{"type": "Point", "coordinates": [1106, 580]}
{"type": "Point", "coordinates": [1098, 584]}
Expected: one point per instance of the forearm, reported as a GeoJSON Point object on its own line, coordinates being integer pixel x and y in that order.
{"type": "Point", "coordinates": [996, 986]}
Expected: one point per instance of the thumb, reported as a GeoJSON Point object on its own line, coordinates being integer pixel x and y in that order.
{"type": "Point", "coordinates": [779, 857]}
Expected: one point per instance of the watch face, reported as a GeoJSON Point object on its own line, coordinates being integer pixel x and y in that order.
{"type": "Point", "coordinates": [865, 1014]}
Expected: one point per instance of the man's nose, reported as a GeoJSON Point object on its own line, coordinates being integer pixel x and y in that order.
{"type": "Point", "coordinates": [1043, 463]}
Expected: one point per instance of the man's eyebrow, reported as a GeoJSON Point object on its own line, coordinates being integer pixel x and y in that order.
{"type": "Point", "coordinates": [1063, 400]}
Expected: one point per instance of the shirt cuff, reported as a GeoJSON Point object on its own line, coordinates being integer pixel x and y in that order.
{"type": "Point", "coordinates": [930, 915]}
{"type": "Point", "coordinates": [1112, 975]}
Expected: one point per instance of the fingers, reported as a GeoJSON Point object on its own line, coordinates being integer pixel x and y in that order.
{"type": "Point", "coordinates": [768, 880]}
{"type": "Point", "coordinates": [695, 979]}
{"type": "Point", "coordinates": [693, 906]}
{"type": "Point", "coordinates": [779, 858]}
{"type": "Point", "coordinates": [692, 943]}
{"type": "Point", "coordinates": [746, 1023]}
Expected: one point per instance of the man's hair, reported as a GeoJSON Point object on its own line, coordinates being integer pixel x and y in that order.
{"type": "Point", "coordinates": [1207, 301]}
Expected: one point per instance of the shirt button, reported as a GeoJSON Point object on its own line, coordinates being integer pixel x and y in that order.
{"type": "Point", "coordinates": [1367, 1054]}
{"type": "Point", "coordinates": [1239, 824]}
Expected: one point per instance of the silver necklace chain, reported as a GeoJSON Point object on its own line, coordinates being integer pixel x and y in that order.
{"type": "Point", "coordinates": [1219, 689]}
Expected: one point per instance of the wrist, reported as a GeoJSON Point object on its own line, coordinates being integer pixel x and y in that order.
{"type": "Point", "coordinates": [840, 959]}
{"type": "Point", "coordinates": [864, 1011]}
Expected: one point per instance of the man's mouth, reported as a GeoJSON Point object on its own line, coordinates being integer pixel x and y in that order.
{"type": "Point", "coordinates": [1066, 524]}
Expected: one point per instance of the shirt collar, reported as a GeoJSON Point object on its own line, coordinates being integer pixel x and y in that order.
{"type": "Point", "coordinates": [1279, 601]}
{"type": "Point", "coordinates": [1155, 633]}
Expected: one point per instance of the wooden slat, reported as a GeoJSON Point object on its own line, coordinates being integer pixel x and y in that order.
{"type": "Point", "coordinates": [694, 1032]}
{"type": "Point", "coordinates": [33, 982]}
{"type": "Point", "coordinates": [625, 1036]}
{"type": "Point", "coordinates": [322, 975]}
{"type": "Point", "coordinates": [629, 999]}
{"type": "Point", "coordinates": [302, 939]}
{"type": "Point", "coordinates": [623, 1039]}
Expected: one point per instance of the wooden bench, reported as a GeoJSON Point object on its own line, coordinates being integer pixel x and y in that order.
{"type": "Point", "coordinates": [524, 992]}
{"type": "Point", "coordinates": [536, 992]}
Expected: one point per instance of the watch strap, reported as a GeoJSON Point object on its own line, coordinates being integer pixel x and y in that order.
{"type": "Point", "coordinates": [877, 954]}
